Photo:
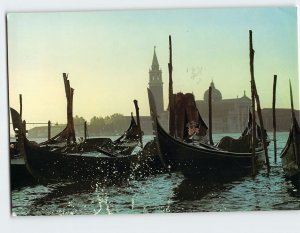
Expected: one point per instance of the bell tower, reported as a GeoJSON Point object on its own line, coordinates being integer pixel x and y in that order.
{"type": "Point", "coordinates": [156, 84]}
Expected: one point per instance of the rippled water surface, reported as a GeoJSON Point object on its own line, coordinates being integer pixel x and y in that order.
{"type": "Point", "coordinates": [162, 193]}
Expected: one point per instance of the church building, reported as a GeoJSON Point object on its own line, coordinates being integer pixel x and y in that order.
{"type": "Point", "coordinates": [228, 115]}
{"type": "Point", "coordinates": [156, 87]}
{"type": "Point", "coordinates": [156, 84]}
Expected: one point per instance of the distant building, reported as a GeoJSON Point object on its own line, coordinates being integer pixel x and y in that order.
{"type": "Point", "coordinates": [228, 115]}
{"type": "Point", "coordinates": [231, 115]}
{"type": "Point", "coordinates": [156, 84]}
{"type": "Point", "coordinates": [283, 118]}
{"type": "Point", "coordinates": [156, 87]}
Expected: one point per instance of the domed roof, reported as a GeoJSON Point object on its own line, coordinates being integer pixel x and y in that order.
{"type": "Point", "coordinates": [215, 93]}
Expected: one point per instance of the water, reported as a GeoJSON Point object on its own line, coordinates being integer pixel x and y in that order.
{"type": "Point", "coordinates": [162, 193]}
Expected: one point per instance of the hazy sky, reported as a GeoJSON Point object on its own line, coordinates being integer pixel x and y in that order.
{"type": "Point", "coordinates": [108, 55]}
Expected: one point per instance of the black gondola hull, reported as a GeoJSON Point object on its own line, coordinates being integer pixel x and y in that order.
{"type": "Point", "coordinates": [46, 165]}
{"type": "Point", "coordinates": [197, 160]}
{"type": "Point", "coordinates": [201, 159]}
{"type": "Point", "coordinates": [290, 155]}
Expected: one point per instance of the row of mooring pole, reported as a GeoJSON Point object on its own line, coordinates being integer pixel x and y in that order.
{"type": "Point", "coordinates": [49, 128]}
{"type": "Point", "coordinates": [85, 123]}
{"type": "Point", "coordinates": [255, 103]}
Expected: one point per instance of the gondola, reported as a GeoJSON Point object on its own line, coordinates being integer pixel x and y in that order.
{"type": "Point", "coordinates": [47, 165]}
{"type": "Point", "coordinates": [19, 174]}
{"type": "Point", "coordinates": [196, 159]}
{"type": "Point", "coordinates": [290, 155]}
{"type": "Point", "coordinates": [65, 141]}
{"type": "Point", "coordinates": [124, 145]}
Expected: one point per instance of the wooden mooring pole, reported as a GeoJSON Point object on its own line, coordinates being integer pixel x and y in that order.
{"type": "Point", "coordinates": [255, 95]}
{"type": "Point", "coordinates": [49, 130]}
{"type": "Point", "coordinates": [274, 118]}
{"type": "Point", "coordinates": [171, 96]}
{"type": "Point", "coordinates": [85, 130]}
{"type": "Point", "coordinates": [210, 116]}
{"type": "Point", "coordinates": [24, 127]}
{"type": "Point", "coordinates": [70, 122]}
{"type": "Point", "coordinates": [262, 128]}
{"type": "Point", "coordinates": [21, 107]}
{"type": "Point", "coordinates": [253, 139]}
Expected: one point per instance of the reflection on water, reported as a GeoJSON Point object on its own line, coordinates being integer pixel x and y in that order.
{"type": "Point", "coordinates": [162, 193]}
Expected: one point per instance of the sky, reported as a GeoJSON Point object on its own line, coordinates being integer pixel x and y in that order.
{"type": "Point", "coordinates": [108, 55]}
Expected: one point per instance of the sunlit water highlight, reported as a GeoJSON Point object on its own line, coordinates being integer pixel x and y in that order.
{"type": "Point", "coordinates": [162, 193]}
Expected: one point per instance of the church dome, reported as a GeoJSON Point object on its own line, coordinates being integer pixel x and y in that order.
{"type": "Point", "coordinates": [215, 94]}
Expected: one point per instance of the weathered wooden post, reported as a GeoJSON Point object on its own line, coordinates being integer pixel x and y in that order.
{"type": "Point", "coordinates": [70, 123]}
{"type": "Point", "coordinates": [85, 130]}
{"type": "Point", "coordinates": [171, 96]}
{"type": "Point", "coordinates": [138, 121]}
{"type": "Point", "coordinates": [255, 95]}
{"type": "Point", "coordinates": [210, 116]}
{"type": "Point", "coordinates": [262, 128]}
{"type": "Point", "coordinates": [274, 118]}
{"type": "Point", "coordinates": [49, 130]}
{"type": "Point", "coordinates": [24, 127]}
{"type": "Point", "coordinates": [253, 140]}
{"type": "Point", "coordinates": [21, 105]}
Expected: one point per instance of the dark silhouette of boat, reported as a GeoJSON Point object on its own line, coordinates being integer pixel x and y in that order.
{"type": "Point", "coordinates": [62, 156]}
{"type": "Point", "coordinates": [193, 158]}
{"type": "Point", "coordinates": [19, 173]}
{"type": "Point", "coordinates": [124, 145]}
{"type": "Point", "coordinates": [290, 155]}
{"type": "Point", "coordinates": [52, 165]}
